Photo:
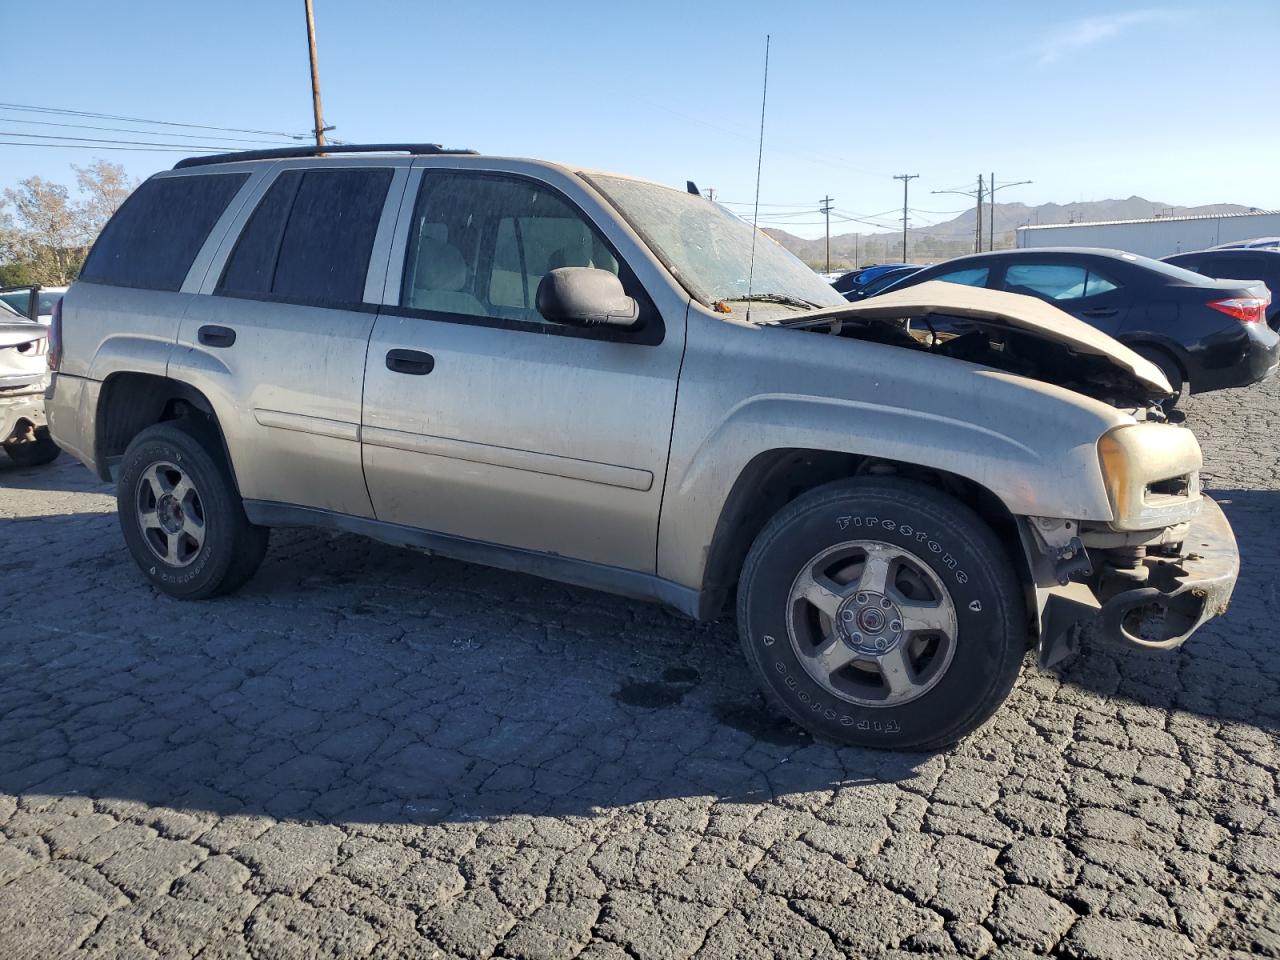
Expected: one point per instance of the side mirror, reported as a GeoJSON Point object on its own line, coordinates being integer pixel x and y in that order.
{"type": "Point", "coordinates": [586, 297]}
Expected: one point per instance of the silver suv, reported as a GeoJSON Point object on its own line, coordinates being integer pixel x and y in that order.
{"type": "Point", "coordinates": [615, 384]}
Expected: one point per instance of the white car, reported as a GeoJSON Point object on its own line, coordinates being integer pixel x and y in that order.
{"type": "Point", "coordinates": [20, 300]}
{"type": "Point", "coordinates": [1257, 243]}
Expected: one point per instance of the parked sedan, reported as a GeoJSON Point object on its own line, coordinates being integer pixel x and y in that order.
{"type": "Point", "coordinates": [24, 376]}
{"type": "Point", "coordinates": [1203, 334]}
{"type": "Point", "coordinates": [1238, 264]}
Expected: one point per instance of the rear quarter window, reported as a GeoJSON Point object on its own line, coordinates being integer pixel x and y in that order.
{"type": "Point", "coordinates": [154, 237]}
{"type": "Point", "coordinates": [310, 238]}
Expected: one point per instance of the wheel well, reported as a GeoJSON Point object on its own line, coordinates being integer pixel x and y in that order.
{"type": "Point", "coordinates": [775, 478]}
{"type": "Point", "coordinates": [1151, 346]}
{"type": "Point", "coordinates": [130, 402]}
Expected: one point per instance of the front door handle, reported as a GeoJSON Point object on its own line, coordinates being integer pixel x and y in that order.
{"type": "Point", "coordinates": [215, 336]}
{"type": "Point", "coordinates": [1100, 312]}
{"type": "Point", "coordinates": [413, 362]}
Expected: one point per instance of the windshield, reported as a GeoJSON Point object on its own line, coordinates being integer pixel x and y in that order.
{"type": "Point", "coordinates": [709, 249]}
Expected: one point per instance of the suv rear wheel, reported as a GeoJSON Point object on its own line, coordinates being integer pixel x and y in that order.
{"type": "Point", "coordinates": [181, 516]}
{"type": "Point", "coordinates": [882, 613]}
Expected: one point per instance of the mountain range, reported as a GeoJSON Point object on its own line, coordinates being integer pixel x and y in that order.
{"type": "Point", "coordinates": [954, 237]}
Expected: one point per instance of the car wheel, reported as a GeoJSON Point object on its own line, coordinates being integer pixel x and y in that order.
{"type": "Point", "coordinates": [1169, 367]}
{"type": "Point", "coordinates": [181, 516]}
{"type": "Point", "coordinates": [33, 451]}
{"type": "Point", "coordinates": [882, 613]}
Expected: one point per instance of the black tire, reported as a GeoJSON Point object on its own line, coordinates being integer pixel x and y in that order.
{"type": "Point", "coordinates": [231, 549]}
{"type": "Point", "coordinates": [1169, 367]}
{"type": "Point", "coordinates": [942, 535]}
{"type": "Point", "coordinates": [33, 453]}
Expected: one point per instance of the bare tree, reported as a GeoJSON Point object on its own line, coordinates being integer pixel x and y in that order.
{"type": "Point", "coordinates": [50, 236]}
{"type": "Point", "coordinates": [105, 186]}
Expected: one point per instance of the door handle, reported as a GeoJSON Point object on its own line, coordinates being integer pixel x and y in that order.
{"type": "Point", "coordinates": [1100, 312]}
{"type": "Point", "coordinates": [413, 362]}
{"type": "Point", "coordinates": [215, 336]}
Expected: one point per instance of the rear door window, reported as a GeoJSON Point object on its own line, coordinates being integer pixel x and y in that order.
{"type": "Point", "coordinates": [154, 237]}
{"type": "Point", "coordinates": [972, 277]}
{"type": "Point", "coordinates": [310, 238]}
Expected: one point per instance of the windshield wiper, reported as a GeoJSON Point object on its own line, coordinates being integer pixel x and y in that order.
{"type": "Point", "coordinates": [782, 298]}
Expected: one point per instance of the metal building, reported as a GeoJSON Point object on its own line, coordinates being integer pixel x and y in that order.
{"type": "Point", "coordinates": [1156, 236]}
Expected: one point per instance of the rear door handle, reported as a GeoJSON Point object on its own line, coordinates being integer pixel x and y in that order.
{"type": "Point", "coordinates": [1100, 312]}
{"type": "Point", "coordinates": [215, 336]}
{"type": "Point", "coordinates": [413, 362]}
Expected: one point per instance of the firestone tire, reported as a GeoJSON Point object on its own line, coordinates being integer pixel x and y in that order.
{"type": "Point", "coordinates": [944, 568]}
{"type": "Point", "coordinates": [174, 488]}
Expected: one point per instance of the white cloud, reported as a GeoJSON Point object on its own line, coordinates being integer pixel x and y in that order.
{"type": "Point", "coordinates": [1082, 34]}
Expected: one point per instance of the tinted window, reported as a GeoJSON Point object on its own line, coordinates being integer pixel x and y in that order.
{"type": "Point", "coordinates": [1052, 280]}
{"type": "Point", "coordinates": [480, 245]}
{"type": "Point", "coordinates": [973, 277]}
{"type": "Point", "coordinates": [154, 237]}
{"type": "Point", "coordinates": [1240, 268]}
{"type": "Point", "coordinates": [310, 238]}
{"type": "Point", "coordinates": [1097, 283]}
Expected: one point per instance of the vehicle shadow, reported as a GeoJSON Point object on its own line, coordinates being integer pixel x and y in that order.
{"type": "Point", "coordinates": [65, 474]}
{"type": "Point", "coordinates": [361, 683]}
{"type": "Point", "coordinates": [354, 682]}
{"type": "Point", "coordinates": [1229, 670]}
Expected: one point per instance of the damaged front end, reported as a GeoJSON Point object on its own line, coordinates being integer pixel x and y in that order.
{"type": "Point", "coordinates": [1164, 564]}
{"type": "Point", "coordinates": [1166, 561]}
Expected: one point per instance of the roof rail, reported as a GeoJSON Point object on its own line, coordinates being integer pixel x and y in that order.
{"type": "Point", "coordinates": [290, 153]}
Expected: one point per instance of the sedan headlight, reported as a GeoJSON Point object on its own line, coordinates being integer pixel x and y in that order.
{"type": "Point", "coordinates": [1152, 475]}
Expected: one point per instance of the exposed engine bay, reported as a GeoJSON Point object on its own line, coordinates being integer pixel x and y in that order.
{"type": "Point", "coordinates": [1006, 331]}
{"type": "Point", "coordinates": [1013, 351]}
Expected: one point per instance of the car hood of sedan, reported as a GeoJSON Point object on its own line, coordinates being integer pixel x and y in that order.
{"type": "Point", "coordinates": [995, 308]}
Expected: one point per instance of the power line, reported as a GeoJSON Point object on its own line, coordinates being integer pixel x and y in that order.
{"type": "Point", "coordinates": [163, 123]}
{"type": "Point", "coordinates": [157, 148]}
{"type": "Point", "coordinates": [61, 136]}
{"type": "Point", "coordinates": [145, 133]}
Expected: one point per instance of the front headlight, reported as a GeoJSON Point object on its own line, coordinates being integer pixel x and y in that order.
{"type": "Point", "coordinates": [1152, 475]}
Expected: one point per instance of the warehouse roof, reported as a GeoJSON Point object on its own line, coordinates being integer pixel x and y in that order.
{"type": "Point", "coordinates": [1197, 216]}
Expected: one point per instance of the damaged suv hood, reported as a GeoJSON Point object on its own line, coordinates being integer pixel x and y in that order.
{"type": "Point", "coordinates": [994, 308]}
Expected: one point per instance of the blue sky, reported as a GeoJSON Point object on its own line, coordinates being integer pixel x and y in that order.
{"type": "Point", "coordinates": [1089, 100]}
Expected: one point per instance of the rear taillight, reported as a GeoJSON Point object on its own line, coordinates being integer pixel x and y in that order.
{"type": "Point", "coordinates": [55, 337]}
{"type": "Point", "coordinates": [1244, 309]}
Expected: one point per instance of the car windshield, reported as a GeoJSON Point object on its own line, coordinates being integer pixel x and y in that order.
{"type": "Point", "coordinates": [708, 249]}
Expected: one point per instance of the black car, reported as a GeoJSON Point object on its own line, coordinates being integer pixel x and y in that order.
{"type": "Point", "coordinates": [1238, 264]}
{"type": "Point", "coordinates": [1202, 333]}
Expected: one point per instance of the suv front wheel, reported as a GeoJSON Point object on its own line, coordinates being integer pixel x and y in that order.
{"type": "Point", "coordinates": [181, 517]}
{"type": "Point", "coordinates": [882, 613]}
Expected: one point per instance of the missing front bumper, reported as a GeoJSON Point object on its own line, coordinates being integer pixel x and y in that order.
{"type": "Point", "coordinates": [1178, 596]}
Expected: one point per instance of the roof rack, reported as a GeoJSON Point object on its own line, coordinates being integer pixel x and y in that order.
{"type": "Point", "coordinates": [290, 153]}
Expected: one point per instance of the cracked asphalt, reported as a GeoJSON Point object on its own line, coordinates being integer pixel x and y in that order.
{"type": "Point", "coordinates": [372, 753]}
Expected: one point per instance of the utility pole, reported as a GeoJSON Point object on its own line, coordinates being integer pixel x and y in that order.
{"type": "Point", "coordinates": [826, 208]}
{"type": "Point", "coordinates": [977, 242]}
{"type": "Point", "coordinates": [906, 179]}
{"type": "Point", "coordinates": [315, 76]}
{"type": "Point", "coordinates": [991, 240]}
{"type": "Point", "coordinates": [855, 251]}
{"type": "Point", "coordinates": [991, 234]}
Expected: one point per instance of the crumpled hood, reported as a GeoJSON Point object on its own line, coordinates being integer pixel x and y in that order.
{"type": "Point", "coordinates": [14, 332]}
{"type": "Point", "coordinates": [999, 308]}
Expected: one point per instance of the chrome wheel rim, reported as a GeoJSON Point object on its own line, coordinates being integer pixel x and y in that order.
{"type": "Point", "coordinates": [872, 623]}
{"type": "Point", "coordinates": [170, 514]}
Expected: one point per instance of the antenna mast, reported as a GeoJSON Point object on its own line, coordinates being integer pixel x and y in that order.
{"type": "Point", "coordinates": [755, 216]}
